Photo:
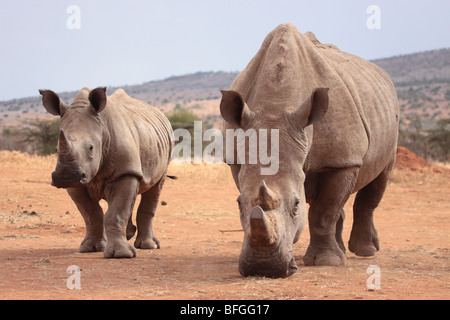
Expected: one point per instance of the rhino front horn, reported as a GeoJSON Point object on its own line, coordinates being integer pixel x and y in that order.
{"type": "Point", "coordinates": [261, 228]}
{"type": "Point", "coordinates": [64, 143]}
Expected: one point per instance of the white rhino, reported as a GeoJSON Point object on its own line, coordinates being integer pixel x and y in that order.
{"type": "Point", "coordinates": [337, 117]}
{"type": "Point", "coordinates": [111, 148]}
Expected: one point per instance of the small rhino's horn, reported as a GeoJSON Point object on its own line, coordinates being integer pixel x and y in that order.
{"type": "Point", "coordinates": [64, 143]}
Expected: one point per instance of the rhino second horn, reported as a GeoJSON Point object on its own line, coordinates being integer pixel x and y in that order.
{"type": "Point", "coordinates": [261, 229]}
{"type": "Point", "coordinates": [64, 143]}
{"type": "Point", "coordinates": [266, 197]}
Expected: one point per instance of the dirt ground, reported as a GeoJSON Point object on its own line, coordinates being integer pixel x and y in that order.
{"type": "Point", "coordinates": [201, 237]}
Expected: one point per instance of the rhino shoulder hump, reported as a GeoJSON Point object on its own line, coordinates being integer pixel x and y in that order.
{"type": "Point", "coordinates": [120, 92]}
{"type": "Point", "coordinates": [312, 37]}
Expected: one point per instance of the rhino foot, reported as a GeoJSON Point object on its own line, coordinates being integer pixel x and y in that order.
{"type": "Point", "coordinates": [90, 245]}
{"type": "Point", "coordinates": [149, 243]}
{"type": "Point", "coordinates": [119, 249]}
{"type": "Point", "coordinates": [324, 257]}
{"type": "Point", "coordinates": [363, 245]}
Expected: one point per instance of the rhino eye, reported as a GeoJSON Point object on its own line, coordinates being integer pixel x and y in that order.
{"type": "Point", "coordinates": [295, 208]}
{"type": "Point", "coordinates": [90, 151]}
{"type": "Point", "coordinates": [239, 201]}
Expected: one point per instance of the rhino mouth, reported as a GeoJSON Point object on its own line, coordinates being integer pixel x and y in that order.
{"type": "Point", "coordinates": [265, 252]}
{"type": "Point", "coordinates": [68, 179]}
{"type": "Point", "coordinates": [266, 264]}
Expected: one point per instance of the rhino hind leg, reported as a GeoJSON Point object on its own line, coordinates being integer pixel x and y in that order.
{"type": "Point", "coordinates": [146, 212]}
{"type": "Point", "coordinates": [326, 216]}
{"type": "Point", "coordinates": [364, 237]}
{"type": "Point", "coordinates": [131, 229]}
{"type": "Point", "coordinates": [339, 229]}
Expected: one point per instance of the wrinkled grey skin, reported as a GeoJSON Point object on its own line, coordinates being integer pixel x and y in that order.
{"type": "Point", "coordinates": [111, 148]}
{"type": "Point", "coordinates": [337, 117]}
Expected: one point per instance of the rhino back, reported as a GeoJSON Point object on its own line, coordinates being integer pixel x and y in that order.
{"type": "Point", "coordinates": [375, 98]}
{"type": "Point", "coordinates": [140, 140]}
{"type": "Point", "coordinates": [363, 110]}
{"type": "Point", "coordinates": [362, 93]}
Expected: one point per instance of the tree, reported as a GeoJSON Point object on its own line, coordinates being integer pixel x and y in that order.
{"type": "Point", "coordinates": [181, 118]}
{"type": "Point", "coordinates": [439, 140]}
{"type": "Point", "coordinates": [412, 135]}
{"type": "Point", "coordinates": [41, 136]}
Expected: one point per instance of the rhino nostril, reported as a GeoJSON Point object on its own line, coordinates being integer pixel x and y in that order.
{"type": "Point", "coordinates": [83, 179]}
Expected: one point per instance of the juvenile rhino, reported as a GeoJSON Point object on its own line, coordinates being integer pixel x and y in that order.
{"type": "Point", "coordinates": [337, 117]}
{"type": "Point", "coordinates": [111, 148]}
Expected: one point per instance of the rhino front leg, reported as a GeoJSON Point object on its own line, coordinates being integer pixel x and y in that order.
{"type": "Point", "coordinates": [146, 212]}
{"type": "Point", "coordinates": [121, 196]}
{"type": "Point", "coordinates": [93, 217]}
{"type": "Point", "coordinates": [326, 217]}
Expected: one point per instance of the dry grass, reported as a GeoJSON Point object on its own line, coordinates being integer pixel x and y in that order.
{"type": "Point", "coordinates": [19, 160]}
{"type": "Point", "coordinates": [442, 164]}
{"type": "Point", "coordinates": [207, 173]}
{"type": "Point", "coordinates": [195, 174]}
{"type": "Point", "coordinates": [425, 176]}
{"type": "Point", "coordinates": [202, 173]}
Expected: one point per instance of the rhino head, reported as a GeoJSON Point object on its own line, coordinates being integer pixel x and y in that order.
{"type": "Point", "coordinates": [80, 136]}
{"type": "Point", "coordinates": [273, 207]}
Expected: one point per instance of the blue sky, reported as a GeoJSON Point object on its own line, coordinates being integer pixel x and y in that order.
{"type": "Point", "coordinates": [129, 42]}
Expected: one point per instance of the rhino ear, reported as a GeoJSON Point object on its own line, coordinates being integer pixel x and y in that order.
{"type": "Point", "coordinates": [312, 109]}
{"type": "Point", "coordinates": [234, 110]}
{"type": "Point", "coordinates": [52, 102]}
{"type": "Point", "coordinates": [98, 99]}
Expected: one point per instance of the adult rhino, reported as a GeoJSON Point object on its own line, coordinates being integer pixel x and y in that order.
{"type": "Point", "coordinates": [111, 148]}
{"type": "Point", "coordinates": [337, 117]}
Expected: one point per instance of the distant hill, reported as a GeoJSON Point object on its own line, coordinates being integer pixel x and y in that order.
{"type": "Point", "coordinates": [424, 67]}
{"type": "Point", "coordinates": [422, 81]}
{"type": "Point", "coordinates": [199, 92]}
{"type": "Point", "coordinates": [182, 89]}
